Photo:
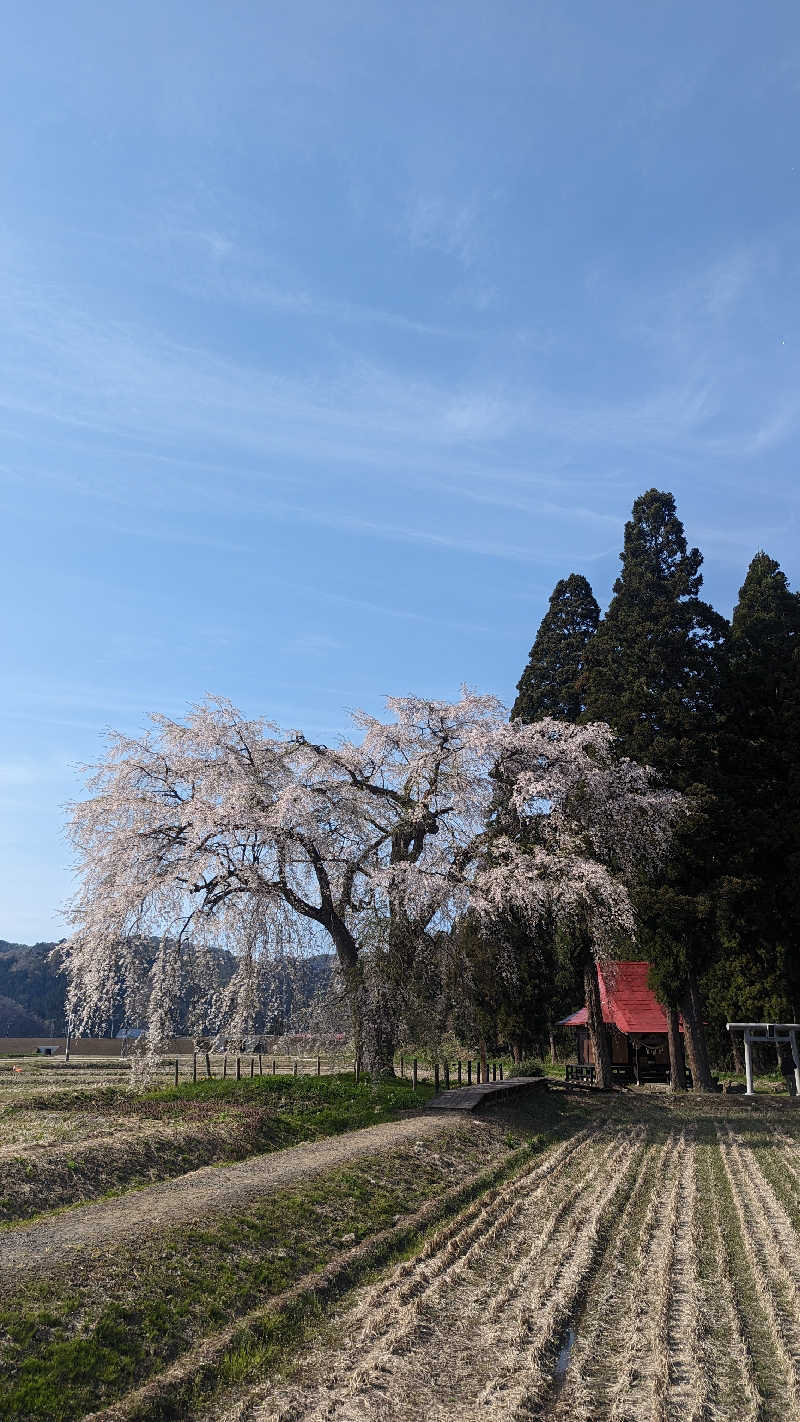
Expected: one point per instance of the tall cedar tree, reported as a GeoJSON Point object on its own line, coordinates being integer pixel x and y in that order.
{"type": "Point", "coordinates": [551, 685]}
{"type": "Point", "coordinates": [653, 673]}
{"type": "Point", "coordinates": [760, 777]}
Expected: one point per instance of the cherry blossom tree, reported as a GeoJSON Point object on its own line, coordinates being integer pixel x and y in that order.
{"type": "Point", "coordinates": [225, 830]}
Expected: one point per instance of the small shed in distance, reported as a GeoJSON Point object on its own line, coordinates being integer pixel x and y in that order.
{"type": "Point", "coordinates": [636, 1022]}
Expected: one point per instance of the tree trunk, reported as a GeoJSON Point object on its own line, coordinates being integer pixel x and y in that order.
{"type": "Point", "coordinates": [695, 1037]}
{"type": "Point", "coordinates": [677, 1063]}
{"type": "Point", "coordinates": [516, 1052]}
{"type": "Point", "coordinates": [552, 1036]}
{"type": "Point", "coordinates": [378, 1044]}
{"type": "Point", "coordinates": [374, 1026]}
{"type": "Point", "coordinates": [596, 1025]}
{"type": "Point", "coordinates": [483, 1058]}
{"type": "Point", "coordinates": [737, 1047]}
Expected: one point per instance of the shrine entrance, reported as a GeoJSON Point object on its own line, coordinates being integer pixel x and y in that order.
{"type": "Point", "coordinates": [774, 1032]}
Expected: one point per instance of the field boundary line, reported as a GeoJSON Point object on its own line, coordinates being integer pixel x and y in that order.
{"type": "Point", "coordinates": [30, 1247]}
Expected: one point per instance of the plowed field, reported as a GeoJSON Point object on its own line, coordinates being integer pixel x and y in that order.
{"type": "Point", "coordinates": [630, 1274]}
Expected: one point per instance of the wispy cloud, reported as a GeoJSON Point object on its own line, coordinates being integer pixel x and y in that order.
{"type": "Point", "coordinates": [444, 226]}
{"type": "Point", "coordinates": [193, 418]}
{"type": "Point", "coordinates": [311, 644]}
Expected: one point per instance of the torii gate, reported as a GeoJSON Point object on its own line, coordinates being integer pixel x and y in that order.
{"type": "Point", "coordinates": [767, 1032]}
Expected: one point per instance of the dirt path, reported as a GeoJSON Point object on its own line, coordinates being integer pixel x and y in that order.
{"type": "Point", "coordinates": [193, 1198]}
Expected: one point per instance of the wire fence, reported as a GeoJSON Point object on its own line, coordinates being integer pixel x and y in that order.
{"type": "Point", "coordinates": [201, 1066]}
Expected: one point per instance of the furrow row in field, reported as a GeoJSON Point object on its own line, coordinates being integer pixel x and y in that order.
{"type": "Point", "coordinates": [728, 1361]}
{"type": "Point", "coordinates": [686, 1392]}
{"type": "Point", "coordinates": [733, 1372]}
{"type": "Point", "coordinates": [539, 1314]}
{"type": "Point", "coordinates": [787, 1154]}
{"type": "Point", "coordinates": [545, 1238]}
{"type": "Point", "coordinates": [775, 1217]}
{"type": "Point", "coordinates": [564, 1218]}
{"type": "Point", "coordinates": [768, 1272]}
{"type": "Point", "coordinates": [633, 1394]}
{"type": "Point", "coordinates": [612, 1302]}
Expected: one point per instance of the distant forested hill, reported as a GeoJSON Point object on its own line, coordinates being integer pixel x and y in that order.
{"type": "Point", "coordinates": [16, 1022]}
{"type": "Point", "coordinates": [32, 990]}
{"type": "Point", "coordinates": [31, 983]}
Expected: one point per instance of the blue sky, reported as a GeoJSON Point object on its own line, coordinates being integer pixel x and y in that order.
{"type": "Point", "coordinates": [333, 335]}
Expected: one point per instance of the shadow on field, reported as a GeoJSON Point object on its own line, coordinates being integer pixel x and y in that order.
{"type": "Point", "coordinates": [559, 1111]}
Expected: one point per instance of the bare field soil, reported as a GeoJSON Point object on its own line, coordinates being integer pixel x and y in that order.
{"type": "Point", "coordinates": [642, 1269]}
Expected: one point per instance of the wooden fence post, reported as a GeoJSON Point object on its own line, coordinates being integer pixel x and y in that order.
{"type": "Point", "coordinates": [414, 1072]}
{"type": "Point", "coordinates": [469, 1072]}
{"type": "Point", "coordinates": [295, 1066]}
{"type": "Point", "coordinates": [501, 1071]}
{"type": "Point", "coordinates": [194, 1067]}
{"type": "Point", "coordinates": [319, 1067]}
{"type": "Point", "coordinates": [494, 1071]}
{"type": "Point", "coordinates": [225, 1065]}
{"type": "Point", "coordinates": [273, 1066]}
{"type": "Point", "coordinates": [260, 1067]}
{"type": "Point", "coordinates": [402, 1065]}
{"type": "Point", "coordinates": [176, 1071]}
{"type": "Point", "coordinates": [252, 1067]}
{"type": "Point", "coordinates": [238, 1068]}
{"type": "Point", "coordinates": [208, 1065]}
{"type": "Point", "coordinates": [447, 1076]}
{"type": "Point", "coordinates": [459, 1071]}
{"type": "Point", "coordinates": [436, 1076]}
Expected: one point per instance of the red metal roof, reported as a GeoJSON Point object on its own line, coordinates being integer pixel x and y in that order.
{"type": "Point", "coordinates": [626, 1000]}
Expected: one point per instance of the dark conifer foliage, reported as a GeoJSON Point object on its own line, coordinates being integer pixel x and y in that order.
{"type": "Point", "coordinates": [760, 780]}
{"type": "Point", "coordinates": [552, 970]}
{"type": "Point", "coordinates": [653, 673]}
{"type": "Point", "coordinates": [652, 670]}
{"type": "Point", "coordinates": [549, 685]}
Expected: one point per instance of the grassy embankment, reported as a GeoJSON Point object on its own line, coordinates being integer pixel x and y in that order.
{"type": "Point", "coordinates": [108, 1139]}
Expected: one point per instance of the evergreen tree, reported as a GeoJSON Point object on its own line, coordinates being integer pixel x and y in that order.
{"type": "Point", "coordinates": [760, 777]}
{"type": "Point", "coordinates": [652, 669]}
{"type": "Point", "coordinates": [549, 685]}
{"type": "Point", "coordinates": [653, 673]}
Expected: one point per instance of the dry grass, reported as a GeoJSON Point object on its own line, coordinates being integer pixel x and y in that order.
{"type": "Point", "coordinates": [664, 1250]}
{"type": "Point", "coordinates": [658, 1239]}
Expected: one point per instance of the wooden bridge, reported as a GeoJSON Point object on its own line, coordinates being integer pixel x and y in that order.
{"type": "Point", "coordinates": [488, 1093]}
